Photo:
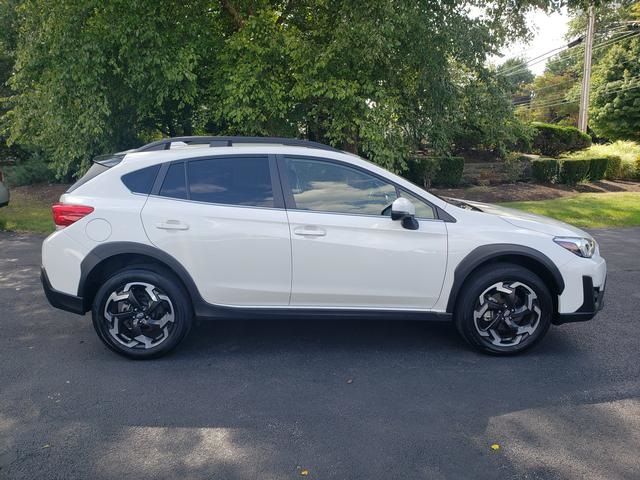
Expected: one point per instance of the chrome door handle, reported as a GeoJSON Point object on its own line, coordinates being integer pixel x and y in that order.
{"type": "Point", "coordinates": [172, 225]}
{"type": "Point", "coordinates": [310, 231]}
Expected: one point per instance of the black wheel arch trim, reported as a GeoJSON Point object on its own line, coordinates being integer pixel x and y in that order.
{"type": "Point", "coordinates": [487, 253]}
{"type": "Point", "coordinates": [106, 251]}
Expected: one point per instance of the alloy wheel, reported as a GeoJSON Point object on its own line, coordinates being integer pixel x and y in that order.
{"type": "Point", "coordinates": [507, 313]}
{"type": "Point", "coordinates": [139, 315]}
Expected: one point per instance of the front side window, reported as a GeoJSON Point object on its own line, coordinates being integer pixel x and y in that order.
{"type": "Point", "coordinates": [244, 181]}
{"type": "Point", "coordinates": [323, 186]}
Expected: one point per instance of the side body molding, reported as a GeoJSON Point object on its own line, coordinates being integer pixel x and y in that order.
{"type": "Point", "coordinates": [486, 253]}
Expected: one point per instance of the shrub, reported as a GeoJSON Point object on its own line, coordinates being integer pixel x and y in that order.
{"type": "Point", "coordinates": [450, 172]}
{"type": "Point", "coordinates": [422, 170]}
{"type": "Point", "coordinates": [614, 167]}
{"type": "Point", "coordinates": [628, 152]}
{"type": "Point", "coordinates": [573, 171]}
{"type": "Point", "coordinates": [514, 166]}
{"type": "Point", "coordinates": [545, 170]}
{"type": "Point", "coordinates": [598, 168]}
{"type": "Point", "coordinates": [553, 140]}
{"type": "Point", "coordinates": [28, 172]}
{"type": "Point", "coordinates": [442, 171]}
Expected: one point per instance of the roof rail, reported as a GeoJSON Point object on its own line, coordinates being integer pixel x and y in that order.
{"type": "Point", "coordinates": [165, 143]}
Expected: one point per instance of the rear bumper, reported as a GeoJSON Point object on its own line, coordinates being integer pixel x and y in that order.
{"type": "Point", "coordinates": [61, 300]}
{"type": "Point", "coordinates": [592, 304]}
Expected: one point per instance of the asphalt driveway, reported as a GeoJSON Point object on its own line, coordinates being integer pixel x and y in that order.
{"type": "Point", "coordinates": [332, 400]}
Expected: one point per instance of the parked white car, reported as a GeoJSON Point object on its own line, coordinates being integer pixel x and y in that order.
{"type": "Point", "coordinates": [4, 192]}
{"type": "Point", "coordinates": [217, 227]}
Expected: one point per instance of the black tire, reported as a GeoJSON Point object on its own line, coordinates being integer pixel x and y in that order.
{"type": "Point", "coordinates": [168, 302]}
{"type": "Point", "coordinates": [484, 307]}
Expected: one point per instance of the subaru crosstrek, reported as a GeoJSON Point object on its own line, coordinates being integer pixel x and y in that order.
{"type": "Point", "coordinates": [233, 227]}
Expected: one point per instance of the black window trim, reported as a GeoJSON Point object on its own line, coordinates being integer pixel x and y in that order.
{"type": "Point", "coordinates": [291, 204]}
{"type": "Point", "coordinates": [278, 200]}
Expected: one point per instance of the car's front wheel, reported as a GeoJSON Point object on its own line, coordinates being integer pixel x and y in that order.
{"type": "Point", "coordinates": [503, 309]}
{"type": "Point", "coordinates": [142, 312]}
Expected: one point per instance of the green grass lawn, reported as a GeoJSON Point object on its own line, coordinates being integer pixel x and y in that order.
{"type": "Point", "coordinates": [27, 213]}
{"type": "Point", "coordinates": [589, 210]}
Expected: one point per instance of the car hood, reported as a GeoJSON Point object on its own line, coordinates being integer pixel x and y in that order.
{"type": "Point", "coordinates": [530, 221]}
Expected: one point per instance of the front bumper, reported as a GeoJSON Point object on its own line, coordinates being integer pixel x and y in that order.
{"type": "Point", "coordinates": [61, 300]}
{"type": "Point", "coordinates": [592, 304]}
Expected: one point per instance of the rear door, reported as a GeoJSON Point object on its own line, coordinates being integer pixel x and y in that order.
{"type": "Point", "coordinates": [223, 218]}
{"type": "Point", "coordinates": [347, 252]}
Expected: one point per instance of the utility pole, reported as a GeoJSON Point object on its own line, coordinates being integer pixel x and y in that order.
{"type": "Point", "coordinates": [583, 116]}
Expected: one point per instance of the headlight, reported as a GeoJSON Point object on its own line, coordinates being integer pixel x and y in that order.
{"type": "Point", "coordinates": [583, 247]}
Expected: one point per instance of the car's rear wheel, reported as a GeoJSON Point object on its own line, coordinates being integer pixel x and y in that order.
{"type": "Point", "coordinates": [142, 312]}
{"type": "Point", "coordinates": [503, 309]}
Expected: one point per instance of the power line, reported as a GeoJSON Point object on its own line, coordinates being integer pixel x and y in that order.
{"type": "Point", "coordinates": [522, 68]}
{"type": "Point", "coordinates": [575, 99]}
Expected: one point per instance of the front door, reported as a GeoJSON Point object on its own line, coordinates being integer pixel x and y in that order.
{"type": "Point", "coordinates": [346, 252]}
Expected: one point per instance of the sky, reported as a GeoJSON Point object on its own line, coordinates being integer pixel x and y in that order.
{"type": "Point", "coordinates": [548, 33]}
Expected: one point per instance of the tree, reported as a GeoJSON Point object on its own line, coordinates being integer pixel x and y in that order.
{"type": "Point", "coordinates": [377, 77]}
{"type": "Point", "coordinates": [615, 101]}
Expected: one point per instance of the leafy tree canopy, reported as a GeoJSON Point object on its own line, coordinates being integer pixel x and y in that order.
{"type": "Point", "coordinates": [379, 77]}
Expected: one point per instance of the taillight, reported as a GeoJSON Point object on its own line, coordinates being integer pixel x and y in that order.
{"type": "Point", "coordinates": [65, 215]}
{"type": "Point", "coordinates": [1, 176]}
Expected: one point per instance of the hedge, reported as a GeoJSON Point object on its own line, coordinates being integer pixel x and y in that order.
{"type": "Point", "coordinates": [545, 170]}
{"type": "Point", "coordinates": [573, 171]}
{"type": "Point", "coordinates": [614, 167]}
{"type": "Point", "coordinates": [441, 171]}
{"type": "Point", "coordinates": [553, 140]}
{"type": "Point", "coordinates": [598, 168]}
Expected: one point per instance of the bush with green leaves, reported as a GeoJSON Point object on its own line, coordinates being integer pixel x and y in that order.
{"type": "Point", "coordinates": [28, 172]}
{"type": "Point", "coordinates": [598, 168]}
{"type": "Point", "coordinates": [614, 167]}
{"type": "Point", "coordinates": [441, 171]}
{"type": "Point", "coordinates": [450, 172]}
{"type": "Point", "coordinates": [545, 170]}
{"type": "Point", "coordinates": [514, 166]}
{"type": "Point", "coordinates": [552, 140]}
{"type": "Point", "coordinates": [573, 171]}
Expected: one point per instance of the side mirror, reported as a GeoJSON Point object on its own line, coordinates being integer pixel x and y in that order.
{"type": "Point", "coordinates": [405, 211]}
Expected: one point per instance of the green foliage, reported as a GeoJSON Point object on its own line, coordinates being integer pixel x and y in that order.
{"type": "Point", "coordinates": [616, 96]}
{"type": "Point", "coordinates": [614, 168]}
{"type": "Point", "coordinates": [514, 166]}
{"type": "Point", "coordinates": [545, 170]}
{"type": "Point", "coordinates": [450, 172]}
{"type": "Point", "coordinates": [573, 171]}
{"type": "Point", "coordinates": [598, 168]}
{"type": "Point", "coordinates": [422, 170]}
{"type": "Point", "coordinates": [627, 151]}
{"type": "Point", "coordinates": [378, 77]}
{"type": "Point", "coordinates": [440, 171]}
{"type": "Point", "coordinates": [28, 172]}
{"type": "Point", "coordinates": [485, 117]}
{"type": "Point", "coordinates": [555, 139]}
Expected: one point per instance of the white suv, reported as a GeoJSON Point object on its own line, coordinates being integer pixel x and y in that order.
{"type": "Point", "coordinates": [219, 227]}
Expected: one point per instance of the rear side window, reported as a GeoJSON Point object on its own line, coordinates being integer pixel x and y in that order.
{"type": "Point", "coordinates": [141, 181]}
{"type": "Point", "coordinates": [244, 181]}
{"type": "Point", "coordinates": [174, 184]}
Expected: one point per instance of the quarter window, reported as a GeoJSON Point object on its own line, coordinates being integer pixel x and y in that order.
{"type": "Point", "coordinates": [238, 180]}
{"type": "Point", "coordinates": [140, 181]}
{"type": "Point", "coordinates": [328, 187]}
